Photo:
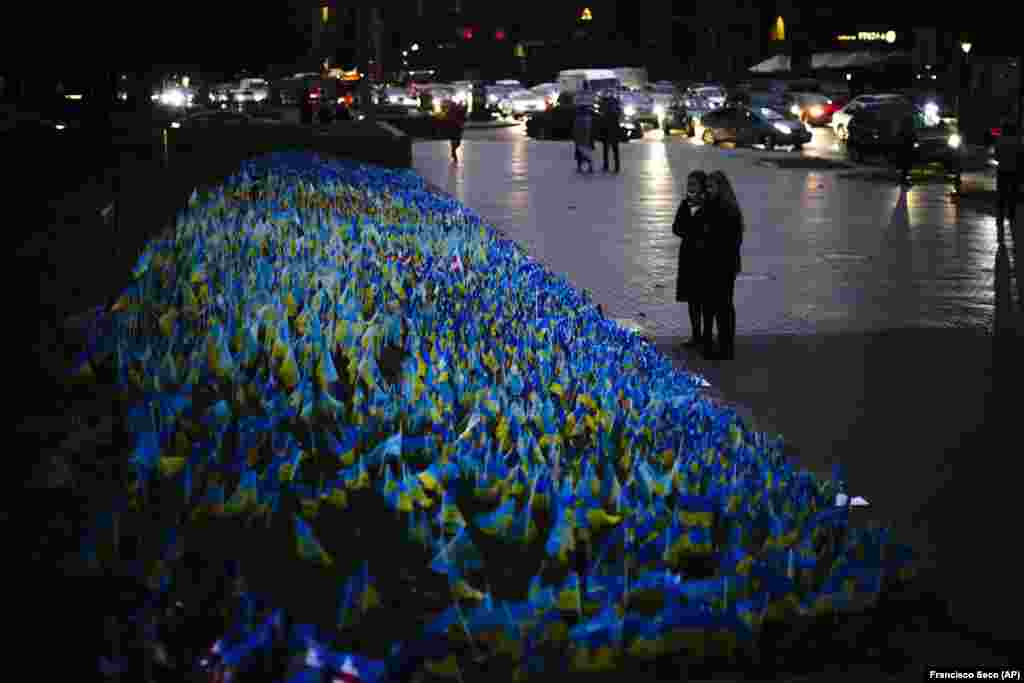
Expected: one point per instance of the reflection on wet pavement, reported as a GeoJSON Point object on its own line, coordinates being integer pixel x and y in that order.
{"type": "Point", "coordinates": [824, 251]}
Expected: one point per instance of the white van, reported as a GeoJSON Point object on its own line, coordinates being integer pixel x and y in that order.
{"type": "Point", "coordinates": [572, 80]}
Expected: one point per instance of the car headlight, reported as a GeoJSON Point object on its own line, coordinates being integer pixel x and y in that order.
{"type": "Point", "coordinates": [954, 141]}
{"type": "Point", "coordinates": [393, 99]}
{"type": "Point", "coordinates": [659, 110]}
{"type": "Point", "coordinates": [175, 124]}
{"type": "Point", "coordinates": [492, 98]}
{"type": "Point", "coordinates": [783, 128]}
{"type": "Point", "coordinates": [630, 110]}
{"type": "Point", "coordinates": [689, 103]}
{"type": "Point", "coordinates": [794, 110]}
{"type": "Point", "coordinates": [59, 126]}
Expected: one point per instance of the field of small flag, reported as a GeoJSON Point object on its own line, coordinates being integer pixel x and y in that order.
{"type": "Point", "coordinates": [358, 391]}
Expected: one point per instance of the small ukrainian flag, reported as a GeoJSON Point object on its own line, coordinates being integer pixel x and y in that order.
{"type": "Point", "coordinates": [307, 546]}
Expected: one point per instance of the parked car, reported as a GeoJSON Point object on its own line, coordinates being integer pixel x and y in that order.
{"type": "Point", "coordinates": [664, 94]}
{"type": "Point", "coordinates": [557, 123]}
{"type": "Point", "coordinates": [713, 95]}
{"type": "Point", "coordinates": [678, 116]}
{"type": "Point", "coordinates": [638, 108]}
{"type": "Point", "coordinates": [756, 99]}
{"type": "Point", "coordinates": [495, 93]}
{"type": "Point", "coordinates": [436, 95]}
{"type": "Point", "coordinates": [841, 119]}
{"type": "Point", "coordinates": [397, 96]}
{"type": "Point", "coordinates": [549, 91]}
{"type": "Point", "coordinates": [703, 99]}
{"type": "Point", "coordinates": [749, 126]}
{"type": "Point", "coordinates": [521, 103]}
{"type": "Point", "coordinates": [875, 132]}
{"type": "Point", "coordinates": [811, 108]}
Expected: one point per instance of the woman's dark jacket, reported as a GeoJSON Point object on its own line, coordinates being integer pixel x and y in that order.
{"type": "Point", "coordinates": [726, 226]}
{"type": "Point", "coordinates": [694, 230]}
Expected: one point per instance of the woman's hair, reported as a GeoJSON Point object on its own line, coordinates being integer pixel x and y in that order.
{"type": "Point", "coordinates": [728, 196]}
{"type": "Point", "coordinates": [700, 176]}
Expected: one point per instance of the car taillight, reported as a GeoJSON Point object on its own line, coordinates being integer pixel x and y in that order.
{"type": "Point", "coordinates": [996, 132]}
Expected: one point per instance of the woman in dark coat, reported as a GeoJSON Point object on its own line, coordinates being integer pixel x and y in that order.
{"type": "Point", "coordinates": [690, 225]}
{"type": "Point", "coordinates": [725, 220]}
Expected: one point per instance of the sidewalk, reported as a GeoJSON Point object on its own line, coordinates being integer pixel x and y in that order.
{"type": "Point", "coordinates": [865, 314]}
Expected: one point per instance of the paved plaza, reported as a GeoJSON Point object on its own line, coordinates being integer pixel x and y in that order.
{"type": "Point", "coordinates": [866, 319]}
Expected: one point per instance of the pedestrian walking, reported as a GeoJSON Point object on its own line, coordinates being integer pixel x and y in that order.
{"type": "Point", "coordinates": [692, 227]}
{"type": "Point", "coordinates": [725, 221]}
{"type": "Point", "coordinates": [611, 116]}
{"type": "Point", "coordinates": [457, 120]}
{"type": "Point", "coordinates": [306, 108]}
{"type": "Point", "coordinates": [905, 138]}
{"type": "Point", "coordinates": [583, 129]}
{"type": "Point", "coordinates": [1008, 156]}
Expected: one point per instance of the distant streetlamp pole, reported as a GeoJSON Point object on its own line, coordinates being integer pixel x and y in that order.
{"type": "Point", "coordinates": [964, 78]}
{"type": "Point", "coordinates": [367, 29]}
{"type": "Point", "coordinates": [1020, 92]}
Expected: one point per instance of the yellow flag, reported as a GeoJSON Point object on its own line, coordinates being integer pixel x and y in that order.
{"type": "Point", "coordinates": [167, 322]}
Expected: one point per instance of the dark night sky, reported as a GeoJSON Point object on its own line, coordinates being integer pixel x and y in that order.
{"type": "Point", "coordinates": [225, 35]}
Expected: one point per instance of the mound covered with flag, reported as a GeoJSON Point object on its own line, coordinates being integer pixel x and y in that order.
{"type": "Point", "coordinates": [393, 418]}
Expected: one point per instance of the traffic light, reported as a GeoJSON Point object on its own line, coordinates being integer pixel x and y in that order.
{"type": "Point", "coordinates": [466, 32]}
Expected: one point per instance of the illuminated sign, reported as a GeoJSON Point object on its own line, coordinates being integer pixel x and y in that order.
{"type": "Point", "coordinates": [779, 29]}
{"type": "Point", "coordinates": [586, 15]}
{"type": "Point", "coordinates": [887, 36]}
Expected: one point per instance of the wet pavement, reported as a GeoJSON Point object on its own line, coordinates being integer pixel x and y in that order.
{"type": "Point", "coordinates": [878, 326]}
{"type": "Point", "coordinates": [823, 252]}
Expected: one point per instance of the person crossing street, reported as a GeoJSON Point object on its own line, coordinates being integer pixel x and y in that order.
{"type": "Point", "coordinates": [1008, 156]}
{"type": "Point", "coordinates": [583, 129]}
{"type": "Point", "coordinates": [611, 116]}
{"type": "Point", "coordinates": [457, 120]}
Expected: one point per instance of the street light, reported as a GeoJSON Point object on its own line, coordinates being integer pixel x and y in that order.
{"type": "Point", "coordinates": [415, 47]}
{"type": "Point", "coordinates": [405, 53]}
{"type": "Point", "coordinates": [966, 47]}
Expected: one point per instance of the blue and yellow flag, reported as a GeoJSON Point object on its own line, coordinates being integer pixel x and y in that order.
{"type": "Point", "coordinates": [388, 450]}
{"type": "Point", "coordinates": [366, 595]}
{"type": "Point", "coordinates": [308, 547]}
{"type": "Point", "coordinates": [541, 598]}
{"type": "Point", "coordinates": [570, 598]}
{"type": "Point", "coordinates": [500, 521]}
{"type": "Point", "coordinates": [246, 496]}
{"type": "Point", "coordinates": [596, 644]}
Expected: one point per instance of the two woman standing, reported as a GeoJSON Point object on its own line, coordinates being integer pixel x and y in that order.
{"type": "Point", "coordinates": [710, 223]}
